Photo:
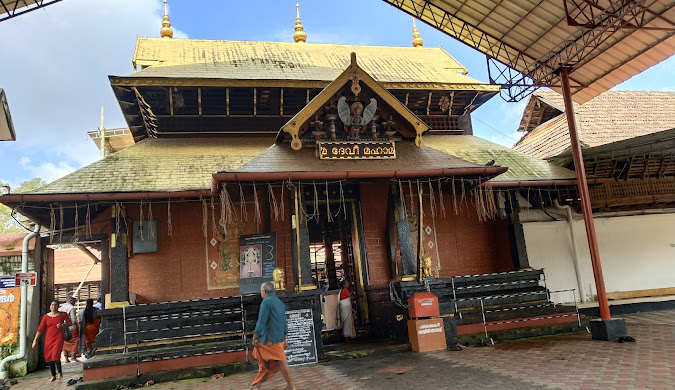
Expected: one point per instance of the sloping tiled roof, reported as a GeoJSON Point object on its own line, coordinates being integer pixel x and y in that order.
{"type": "Point", "coordinates": [172, 165]}
{"type": "Point", "coordinates": [479, 151]}
{"type": "Point", "coordinates": [251, 60]}
{"type": "Point", "coordinates": [281, 158]}
{"type": "Point", "coordinates": [71, 266]}
{"type": "Point", "coordinates": [11, 244]}
{"type": "Point", "coordinates": [160, 165]}
{"type": "Point", "coordinates": [610, 117]}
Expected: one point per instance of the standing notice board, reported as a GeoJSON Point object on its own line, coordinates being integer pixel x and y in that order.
{"type": "Point", "coordinates": [257, 260]}
{"type": "Point", "coordinates": [301, 339]}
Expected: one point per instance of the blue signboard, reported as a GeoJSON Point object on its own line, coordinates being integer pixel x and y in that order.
{"type": "Point", "coordinates": [7, 282]}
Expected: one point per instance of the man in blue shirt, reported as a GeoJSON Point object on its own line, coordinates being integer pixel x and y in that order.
{"type": "Point", "coordinates": [269, 338]}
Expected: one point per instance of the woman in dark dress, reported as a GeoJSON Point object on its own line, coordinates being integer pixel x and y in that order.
{"type": "Point", "coordinates": [51, 325]}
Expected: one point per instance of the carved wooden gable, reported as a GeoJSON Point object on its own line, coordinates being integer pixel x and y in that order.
{"type": "Point", "coordinates": [354, 107]}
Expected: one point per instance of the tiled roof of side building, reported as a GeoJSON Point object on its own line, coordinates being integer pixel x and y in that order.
{"type": "Point", "coordinates": [250, 60]}
{"type": "Point", "coordinates": [71, 266]}
{"type": "Point", "coordinates": [479, 151]}
{"type": "Point", "coordinates": [610, 117]}
{"type": "Point", "coordinates": [160, 165]}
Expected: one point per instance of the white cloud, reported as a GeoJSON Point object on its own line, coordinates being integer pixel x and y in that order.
{"type": "Point", "coordinates": [54, 68]}
{"type": "Point", "coordinates": [46, 170]}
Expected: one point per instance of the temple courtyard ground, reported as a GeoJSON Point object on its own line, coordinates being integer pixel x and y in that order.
{"type": "Point", "coordinates": [568, 361]}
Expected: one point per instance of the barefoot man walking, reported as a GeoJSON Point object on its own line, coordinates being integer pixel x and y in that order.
{"type": "Point", "coordinates": [269, 338]}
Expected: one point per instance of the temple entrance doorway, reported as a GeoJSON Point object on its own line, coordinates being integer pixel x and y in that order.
{"type": "Point", "coordinates": [335, 256]}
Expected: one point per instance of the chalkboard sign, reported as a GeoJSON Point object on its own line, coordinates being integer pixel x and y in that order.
{"type": "Point", "coordinates": [257, 260]}
{"type": "Point", "coordinates": [301, 339]}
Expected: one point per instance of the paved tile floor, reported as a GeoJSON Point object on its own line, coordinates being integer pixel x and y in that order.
{"type": "Point", "coordinates": [565, 362]}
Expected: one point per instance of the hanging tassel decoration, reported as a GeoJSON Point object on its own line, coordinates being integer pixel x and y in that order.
{"type": "Point", "coordinates": [52, 224]}
{"type": "Point", "coordinates": [229, 208]}
{"type": "Point", "coordinates": [169, 228]}
{"type": "Point", "coordinates": [462, 200]}
{"type": "Point", "coordinates": [205, 219]}
{"type": "Point", "coordinates": [432, 200]}
{"type": "Point", "coordinates": [402, 197]}
{"type": "Point", "coordinates": [316, 212]}
{"type": "Point", "coordinates": [329, 215]}
{"type": "Point", "coordinates": [242, 204]}
{"type": "Point", "coordinates": [223, 217]}
{"type": "Point", "coordinates": [273, 201]}
{"type": "Point", "coordinates": [440, 196]}
{"type": "Point", "coordinates": [343, 204]}
{"type": "Point", "coordinates": [117, 219]}
{"type": "Point", "coordinates": [151, 230]}
{"type": "Point", "coordinates": [282, 200]}
{"type": "Point", "coordinates": [77, 223]}
{"type": "Point", "coordinates": [141, 222]}
{"type": "Point", "coordinates": [454, 197]}
{"type": "Point", "coordinates": [60, 222]}
{"type": "Point", "coordinates": [87, 223]}
{"type": "Point", "coordinates": [257, 217]}
{"type": "Point", "coordinates": [213, 217]}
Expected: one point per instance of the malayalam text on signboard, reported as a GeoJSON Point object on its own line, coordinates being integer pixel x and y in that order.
{"type": "Point", "coordinates": [357, 150]}
{"type": "Point", "coordinates": [301, 338]}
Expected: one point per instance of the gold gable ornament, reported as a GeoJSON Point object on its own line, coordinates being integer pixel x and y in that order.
{"type": "Point", "coordinates": [372, 114]}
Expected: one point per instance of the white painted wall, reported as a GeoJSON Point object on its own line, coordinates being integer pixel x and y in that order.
{"type": "Point", "coordinates": [637, 253]}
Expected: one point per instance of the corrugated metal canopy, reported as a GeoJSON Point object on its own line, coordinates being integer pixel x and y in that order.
{"type": "Point", "coordinates": [12, 8]}
{"type": "Point", "coordinates": [605, 42]}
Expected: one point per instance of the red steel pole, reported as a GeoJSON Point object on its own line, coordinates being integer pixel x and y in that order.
{"type": "Point", "coordinates": [585, 197]}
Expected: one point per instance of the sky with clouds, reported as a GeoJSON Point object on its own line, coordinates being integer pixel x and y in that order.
{"type": "Point", "coordinates": [55, 63]}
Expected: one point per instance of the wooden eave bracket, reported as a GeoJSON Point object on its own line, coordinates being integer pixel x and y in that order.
{"type": "Point", "coordinates": [296, 126]}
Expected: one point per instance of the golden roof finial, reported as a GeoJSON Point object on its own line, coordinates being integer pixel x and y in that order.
{"type": "Point", "coordinates": [417, 39]}
{"type": "Point", "coordinates": [166, 31]}
{"type": "Point", "coordinates": [299, 35]}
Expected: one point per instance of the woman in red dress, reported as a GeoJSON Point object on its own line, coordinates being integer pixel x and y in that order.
{"type": "Point", "coordinates": [51, 326]}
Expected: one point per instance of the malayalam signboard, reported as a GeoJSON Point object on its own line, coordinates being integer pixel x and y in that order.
{"type": "Point", "coordinates": [357, 150]}
{"type": "Point", "coordinates": [10, 301]}
{"type": "Point", "coordinates": [25, 279]}
{"type": "Point", "coordinates": [301, 338]}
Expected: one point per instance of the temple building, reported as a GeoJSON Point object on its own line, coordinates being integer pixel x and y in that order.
{"type": "Point", "coordinates": [305, 164]}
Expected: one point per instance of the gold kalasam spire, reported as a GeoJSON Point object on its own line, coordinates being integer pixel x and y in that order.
{"type": "Point", "coordinates": [417, 39]}
{"type": "Point", "coordinates": [166, 31]}
{"type": "Point", "coordinates": [299, 35]}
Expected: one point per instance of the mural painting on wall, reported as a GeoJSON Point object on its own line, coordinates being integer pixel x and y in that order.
{"type": "Point", "coordinates": [222, 258]}
{"type": "Point", "coordinates": [9, 315]}
{"type": "Point", "coordinates": [428, 230]}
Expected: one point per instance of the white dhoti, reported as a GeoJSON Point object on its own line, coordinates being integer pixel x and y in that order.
{"type": "Point", "coordinates": [347, 318]}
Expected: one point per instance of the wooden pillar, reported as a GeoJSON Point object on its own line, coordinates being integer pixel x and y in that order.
{"type": "Point", "coordinates": [585, 196]}
{"type": "Point", "coordinates": [404, 237]}
{"type": "Point", "coordinates": [331, 271]}
{"type": "Point", "coordinates": [300, 248]}
{"type": "Point", "coordinates": [516, 233]}
{"type": "Point", "coordinates": [105, 270]}
{"type": "Point", "coordinates": [119, 265]}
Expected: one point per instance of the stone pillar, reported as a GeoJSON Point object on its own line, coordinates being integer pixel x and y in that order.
{"type": "Point", "coordinates": [404, 238]}
{"type": "Point", "coordinates": [105, 270]}
{"type": "Point", "coordinates": [516, 234]}
{"type": "Point", "coordinates": [119, 265]}
{"type": "Point", "coordinates": [300, 248]}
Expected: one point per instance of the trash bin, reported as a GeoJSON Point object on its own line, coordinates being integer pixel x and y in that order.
{"type": "Point", "coordinates": [425, 329]}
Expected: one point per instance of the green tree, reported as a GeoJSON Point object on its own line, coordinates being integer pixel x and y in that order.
{"type": "Point", "coordinates": [7, 223]}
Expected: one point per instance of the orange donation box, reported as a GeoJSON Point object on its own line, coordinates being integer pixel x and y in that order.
{"type": "Point", "coordinates": [425, 334]}
{"type": "Point", "coordinates": [422, 305]}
